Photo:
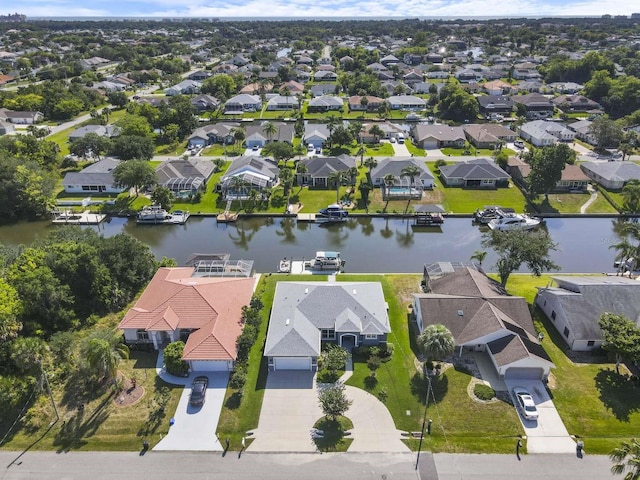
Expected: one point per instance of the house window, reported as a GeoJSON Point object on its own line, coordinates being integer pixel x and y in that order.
{"type": "Point", "coordinates": [370, 336]}
{"type": "Point", "coordinates": [566, 332]}
{"type": "Point", "coordinates": [328, 334]}
{"type": "Point", "coordinates": [143, 336]}
{"type": "Point", "coordinates": [553, 315]}
{"type": "Point", "coordinates": [591, 343]}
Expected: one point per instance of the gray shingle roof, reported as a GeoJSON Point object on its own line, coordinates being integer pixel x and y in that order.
{"type": "Point", "coordinates": [479, 169]}
{"type": "Point", "coordinates": [617, 171]}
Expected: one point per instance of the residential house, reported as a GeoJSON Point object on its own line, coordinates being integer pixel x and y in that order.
{"type": "Point", "coordinates": [282, 102]}
{"type": "Point", "coordinates": [477, 173]}
{"type": "Point", "coordinates": [467, 75]}
{"type": "Point", "coordinates": [108, 131]}
{"type": "Point", "coordinates": [325, 76]}
{"type": "Point", "coordinates": [186, 87]}
{"type": "Point", "coordinates": [239, 60]}
{"type": "Point", "coordinates": [576, 103]}
{"type": "Point", "coordinates": [256, 88]}
{"type": "Point", "coordinates": [6, 128]}
{"type": "Point", "coordinates": [304, 60]}
{"type": "Point", "coordinates": [541, 132]}
{"type": "Point", "coordinates": [93, 63]}
{"type": "Point", "coordinates": [611, 175]}
{"type": "Point", "coordinates": [214, 133]}
{"type": "Point", "coordinates": [536, 106]}
{"type": "Point", "coordinates": [390, 130]}
{"type": "Point", "coordinates": [185, 175]}
{"type": "Point", "coordinates": [357, 103]}
{"type": "Point", "coordinates": [389, 60]}
{"type": "Point", "coordinates": [257, 136]}
{"type": "Point", "coordinates": [438, 74]}
{"type": "Point", "coordinates": [498, 87]}
{"type": "Point", "coordinates": [319, 169]}
{"type": "Point", "coordinates": [572, 179]}
{"type": "Point", "coordinates": [495, 104]}
{"type": "Point", "coordinates": [307, 314]}
{"type": "Point", "coordinates": [483, 318]}
{"type": "Point", "coordinates": [488, 135]}
{"type": "Point", "coordinates": [438, 136]}
{"type": "Point", "coordinates": [582, 129]}
{"type": "Point", "coordinates": [323, 89]}
{"type": "Point", "coordinates": [21, 118]}
{"type": "Point", "coordinates": [423, 87]}
{"type": "Point", "coordinates": [394, 166]}
{"type": "Point", "coordinates": [199, 76]}
{"type": "Point", "coordinates": [95, 178]}
{"type": "Point", "coordinates": [109, 87]}
{"type": "Point", "coordinates": [292, 87]}
{"type": "Point", "coordinates": [565, 87]}
{"type": "Point", "coordinates": [413, 76]}
{"type": "Point", "coordinates": [433, 58]}
{"type": "Point", "coordinates": [325, 103]}
{"type": "Point", "coordinates": [204, 312]}
{"type": "Point", "coordinates": [243, 103]}
{"type": "Point", "coordinates": [257, 173]}
{"type": "Point", "coordinates": [205, 103]}
{"type": "Point", "coordinates": [412, 59]}
{"type": "Point", "coordinates": [406, 102]}
{"type": "Point", "coordinates": [575, 304]}
{"type": "Point", "coordinates": [315, 134]}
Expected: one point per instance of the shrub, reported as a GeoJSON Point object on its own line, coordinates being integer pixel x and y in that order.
{"type": "Point", "coordinates": [383, 394]}
{"type": "Point", "coordinates": [238, 378]}
{"type": "Point", "coordinates": [440, 163]}
{"type": "Point", "coordinates": [483, 392]}
{"type": "Point", "coordinates": [327, 376]}
{"type": "Point", "coordinates": [373, 362]}
{"type": "Point", "coordinates": [370, 381]}
{"type": "Point", "coordinates": [173, 359]}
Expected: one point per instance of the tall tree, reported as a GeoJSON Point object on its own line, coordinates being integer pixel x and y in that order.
{"type": "Point", "coordinates": [162, 196]}
{"type": "Point", "coordinates": [621, 337]}
{"type": "Point", "coordinates": [333, 401]}
{"type": "Point", "coordinates": [10, 307]}
{"type": "Point", "coordinates": [626, 460]}
{"type": "Point", "coordinates": [270, 129]}
{"type": "Point", "coordinates": [631, 196]}
{"type": "Point", "coordinates": [134, 174]}
{"type": "Point", "coordinates": [336, 179]}
{"type": "Point", "coordinates": [103, 353]}
{"type": "Point", "coordinates": [518, 246]}
{"type": "Point", "coordinates": [547, 164]}
{"type": "Point", "coordinates": [410, 171]}
{"type": "Point", "coordinates": [436, 342]}
{"type": "Point", "coordinates": [389, 181]}
{"type": "Point", "coordinates": [607, 133]}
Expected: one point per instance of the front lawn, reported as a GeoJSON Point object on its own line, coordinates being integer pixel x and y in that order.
{"type": "Point", "coordinates": [594, 402]}
{"type": "Point", "coordinates": [571, 203]}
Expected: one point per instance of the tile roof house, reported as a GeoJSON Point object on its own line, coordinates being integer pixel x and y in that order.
{"type": "Point", "coordinates": [319, 169]}
{"type": "Point", "coordinates": [481, 316]}
{"type": "Point", "coordinates": [355, 102]}
{"type": "Point", "coordinates": [180, 175]}
{"type": "Point", "coordinates": [488, 135]}
{"type": "Point", "coordinates": [438, 136]}
{"type": "Point", "coordinates": [498, 87]}
{"type": "Point", "coordinates": [611, 175]}
{"type": "Point", "coordinates": [478, 173]}
{"type": "Point", "coordinates": [574, 306]}
{"type": "Point", "coordinates": [282, 102]}
{"type": "Point", "coordinates": [306, 314]}
{"type": "Point", "coordinates": [95, 178]}
{"type": "Point", "coordinates": [204, 311]}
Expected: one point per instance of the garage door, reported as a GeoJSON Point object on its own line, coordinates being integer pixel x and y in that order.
{"type": "Point", "coordinates": [210, 366]}
{"type": "Point", "coordinates": [524, 373]}
{"type": "Point", "coordinates": [430, 144]}
{"type": "Point", "coordinates": [293, 363]}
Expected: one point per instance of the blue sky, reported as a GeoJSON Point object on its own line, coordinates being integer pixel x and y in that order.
{"type": "Point", "coordinates": [326, 8]}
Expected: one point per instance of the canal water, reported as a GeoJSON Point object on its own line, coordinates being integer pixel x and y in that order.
{"type": "Point", "coordinates": [369, 245]}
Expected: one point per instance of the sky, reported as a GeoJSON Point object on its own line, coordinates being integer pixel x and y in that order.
{"type": "Point", "coordinates": [326, 8]}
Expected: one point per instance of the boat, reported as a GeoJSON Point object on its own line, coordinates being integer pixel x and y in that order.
{"type": "Point", "coordinates": [333, 213]}
{"type": "Point", "coordinates": [491, 212]}
{"type": "Point", "coordinates": [325, 261]}
{"type": "Point", "coordinates": [284, 266]}
{"type": "Point", "coordinates": [514, 221]}
{"type": "Point", "coordinates": [413, 117]}
{"type": "Point", "coordinates": [152, 213]}
{"type": "Point", "coordinates": [428, 215]}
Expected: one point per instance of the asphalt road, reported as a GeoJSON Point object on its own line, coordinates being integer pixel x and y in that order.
{"type": "Point", "coordinates": [255, 466]}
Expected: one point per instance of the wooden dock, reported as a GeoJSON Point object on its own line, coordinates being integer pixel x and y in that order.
{"type": "Point", "coordinates": [226, 217]}
{"type": "Point", "coordinates": [68, 217]}
{"type": "Point", "coordinates": [306, 217]}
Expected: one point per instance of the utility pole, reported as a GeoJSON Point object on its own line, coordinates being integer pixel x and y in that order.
{"type": "Point", "coordinates": [424, 417]}
{"type": "Point", "coordinates": [46, 381]}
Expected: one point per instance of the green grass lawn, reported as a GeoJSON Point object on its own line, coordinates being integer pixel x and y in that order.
{"type": "Point", "coordinates": [467, 200]}
{"type": "Point", "coordinates": [475, 152]}
{"type": "Point", "coordinates": [459, 423]}
{"type": "Point", "coordinates": [595, 403]}
{"type": "Point", "coordinates": [571, 203]}
{"type": "Point", "coordinates": [415, 151]}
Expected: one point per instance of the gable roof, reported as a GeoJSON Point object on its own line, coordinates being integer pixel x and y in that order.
{"type": "Point", "coordinates": [324, 166]}
{"type": "Point", "coordinates": [439, 132]}
{"type": "Point", "coordinates": [174, 299]}
{"type": "Point", "coordinates": [479, 169]}
{"type": "Point", "coordinates": [98, 173]}
{"type": "Point", "coordinates": [301, 309]}
{"type": "Point", "coordinates": [178, 169]}
{"type": "Point", "coordinates": [394, 166]}
{"type": "Point", "coordinates": [613, 171]}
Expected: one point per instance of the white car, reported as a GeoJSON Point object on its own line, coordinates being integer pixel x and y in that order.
{"type": "Point", "coordinates": [518, 144]}
{"type": "Point", "coordinates": [392, 140]}
{"type": "Point", "coordinates": [525, 403]}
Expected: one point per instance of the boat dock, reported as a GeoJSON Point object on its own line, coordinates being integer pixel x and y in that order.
{"type": "Point", "coordinates": [178, 217]}
{"type": "Point", "coordinates": [306, 217]}
{"type": "Point", "coordinates": [68, 217]}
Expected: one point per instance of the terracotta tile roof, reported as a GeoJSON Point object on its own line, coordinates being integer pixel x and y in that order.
{"type": "Point", "coordinates": [212, 306]}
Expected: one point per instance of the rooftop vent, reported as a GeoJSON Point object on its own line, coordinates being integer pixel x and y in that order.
{"type": "Point", "coordinates": [306, 290]}
{"type": "Point", "coordinates": [286, 322]}
{"type": "Point", "coordinates": [354, 291]}
{"type": "Point", "coordinates": [460, 313]}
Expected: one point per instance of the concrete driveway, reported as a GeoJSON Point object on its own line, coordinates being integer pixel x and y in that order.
{"type": "Point", "coordinates": [290, 408]}
{"type": "Point", "coordinates": [195, 427]}
{"type": "Point", "coordinates": [548, 434]}
{"type": "Point", "coordinates": [400, 150]}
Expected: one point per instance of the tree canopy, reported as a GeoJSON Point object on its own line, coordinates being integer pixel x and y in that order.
{"type": "Point", "coordinates": [621, 337]}
{"type": "Point", "coordinates": [547, 164]}
{"type": "Point", "coordinates": [134, 174]}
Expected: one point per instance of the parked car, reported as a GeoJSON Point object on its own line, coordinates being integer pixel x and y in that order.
{"type": "Point", "coordinates": [198, 390]}
{"type": "Point", "coordinates": [525, 403]}
{"type": "Point", "coordinates": [518, 144]}
{"type": "Point", "coordinates": [255, 148]}
{"type": "Point", "coordinates": [392, 140]}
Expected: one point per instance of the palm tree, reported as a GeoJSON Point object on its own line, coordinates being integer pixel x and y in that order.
{"type": "Point", "coordinates": [626, 458]}
{"type": "Point", "coordinates": [336, 178]}
{"type": "Point", "coordinates": [389, 181]}
{"type": "Point", "coordinates": [631, 195]}
{"type": "Point", "coordinates": [361, 151]}
{"type": "Point", "coordinates": [299, 98]}
{"type": "Point", "coordinates": [237, 185]}
{"type": "Point", "coordinates": [377, 133]}
{"type": "Point", "coordinates": [332, 123]}
{"type": "Point", "coordinates": [436, 342]}
{"type": "Point", "coordinates": [270, 130]}
{"type": "Point", "coordinates": [299, 150]}
{"type": "Point", "coordinates": [286, 178]}
{"type": "Point", "coordinates": [625, 251]}
{"type": "Point", "coordinates": [104, 352]}
{"type": "Point", "coordinates": [253, 196]}
{"type": "Point", "coordinates": [478, 255]}
{"type": "Point", "coordinates": [370, 163]}
{"type": "Point", "coordinates": [239, 134]}
{"type": "Point", "coordinates": [411, 171]}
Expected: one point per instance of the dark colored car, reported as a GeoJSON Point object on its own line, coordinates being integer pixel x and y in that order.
{"type": "Point", "coordinates": [198, 390]}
